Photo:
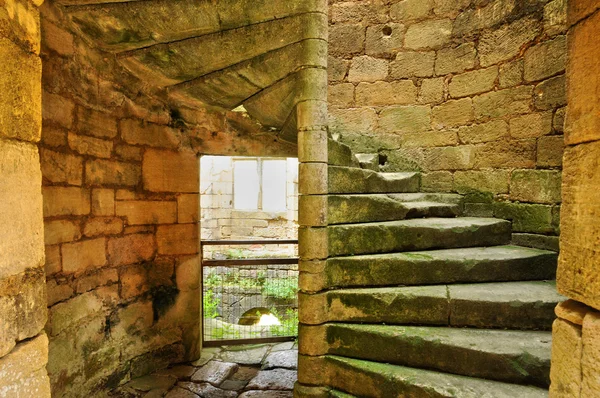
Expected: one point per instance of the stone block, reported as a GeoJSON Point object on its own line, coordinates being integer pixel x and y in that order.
{"type": "Point", "coordinates": [95, 123]}
{"type": "Point", "coordinates": [166, 171]}
{"type": "Point", "coordinates": [579, 9]}
{"type": "Point", "coordinates": [582, 123]}
{"type": "Point", "coordinates": [405, 119]}
{"type": "Point", "coordinates": [147, 212]}
{"type": "Point", "coordinates": [384, 40]}
{"type": "Point", "coordinates": [56, 39]}
{"type": "Point", "coordinates": [536, 186]}
{"type": "Point", "coordinates": [449, 158]}
{"type": "Point", "coordinates": [546, 59]}
{"type": "Point", "coordinates": [20, 92]}
{"type": "Point", "coordinates": [53, 262]}
{"type": "Point", "coordinates": [533, 218]}
{"type": "Point", "coordinates": [494, 181]}
{"type": "Point", "coordinates": [510, 101]}
{"type": "Point", "coordinates": [346, 39]}
{"type": "Point", "coordinates": [550, 151]}
{"type": "Point", "coordinates": [187, 273]}
{"type": "Point", "coordinates": [124, 194]}
{"type": "Point", "coordinates": [565, 373]}
{"type": "Point", "coordinates": [506, 154]}
{"type": "Point", "coordinates": [102, 226]}
{"type": "Point", "coordinates": [475, 82]}
{"type": "Point", "coordinates": [341, 94]}
{"type": "Point", "coordinates": [432, 91]}
{"type": "Point", "coordinates": [485, 15]}
{"type": "Point", "coordinates": [23, 373]}
{"type": "Point", "coordinates": [8, 327]}
{"type": "Point", "coordinates": [455, 60]}
{"type": "Point", "coordinates": [66, 201]}
{"type": "Point", "coordinates": [506, 42]}
{"type": "Point", "coordinates": [407, 10]}
{"type": "Point", "coordinates": [54, 136]}
{"type": "Point", "coordinates": [555, 17]}
{"type": "Point", "coordinates": [402, 92]}
{"type": "Point", "coordinates": [357, 120]}
{"type": "Point", "coordinates": [61, 231]}
{"type": "Point", "coordinates": [68, 313]}
{"type": "Point", "coordinates": [450, 7]}
{"type": "Point", "coordinates": [90, 145]}
{"type": "Point", "coordinates": [337, 69]}
{"type": "Point", "coordinates": [412, 64]}
{"type": "Point", "coordinates": [550, 94]}
{"type": "Point", "coordinates": [131, 249]}
{"type": "Point", "coordinates": [428, 139]}
{"type": "Point", "coordinates": [431, 34]}
{"type": "Point", "coordinates": [188, 208]}
{"type": "Point", "coordinates": [22, 234]}
{"type": "Point", "coordinates": [129, 152]}
{"type": "Point", "coordinates": [534, 125]}
{"type": "Point", "coordinates": [101, 278]}
{"type": "Point", "coordinates": [511, 74]}
{"type": "Point", "coordinates": [80, 256]}
{"type": "Point", "coordinates": [312, 178]}
{"type": "Point", "coordinates": [178, 239]}
{"type": "Point", "coordinates": [109, 172]}
{"type": "Point", "coordinates": [495, 130]}
{"type": "Point", "coordinates": [57, 110]}
{"type": "Point", "coordinates": [590, 357]}
{"type": "Point", "coordinates": [577, 272]}
{"type": "Point", "coordinates": [134, 281]}
{"type": "Point", "coordinates": [21, 24]}
{"type": "Point", "coordinates": [312, 210]}
{"type": "Point", "coordinates": [313, 243]}
{"type": "Point", "coordinates": [368, 69]}
{"type": "Point", "coordinates": [61, 167]}
{"type": "Point", "coordinates": [312, 146]}
{"type": "Point", "coordinates": [558, 122]}
{"type": "Point", "coordinates": [572, 311]}
{"type": "Point", "coordinates": [57, 293]}
{"type": "Point", "coordinates": [103, 202]}
{"type": "Point", "coordinates": [358, 12]}
{"type": "Point", "coordinates": [452, 113]}
{"type": "Point", "coordinates": [437, 181]}
{"type": "Point", "coordinates": [137, 132]}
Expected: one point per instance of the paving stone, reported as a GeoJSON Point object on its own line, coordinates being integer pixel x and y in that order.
{"type": "Point", "coordinates": [206, 390]}
{"type": "Point", "coordinates": [282, 359]}
{"type": "Point", "coordinates": [179, 392]}
{"type": "Point", "coordinates": [234, 385]}
{"type": "Point", "coordinates": [207, 355]}
{"type": "Point", "coordinates": [214, 372]}
{"type": "Point", "coordinates": [152, 382]}
{"type": "Point", "coordinates": [277, 379]}
{"type": "Point", "coordinates": [179, 372]}
{"type": "Point", "coordinates": [253, 356]}
{"type": "Point", "coordinates": [288, 345]}
{"type": "Point", "coordinates": [267, 394]}
{"type": "Point", "coordinates": [244, 373]}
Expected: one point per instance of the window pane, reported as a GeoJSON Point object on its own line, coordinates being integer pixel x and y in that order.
{"type": "Point", "coordinates": [245, 184]}
{"type": "Point", "coordinates": [274, 185]}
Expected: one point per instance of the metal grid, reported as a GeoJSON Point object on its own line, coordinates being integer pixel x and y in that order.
{"type": "Point", "coordinates": [249, 296]}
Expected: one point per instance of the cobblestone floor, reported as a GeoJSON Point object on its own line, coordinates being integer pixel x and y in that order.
{"type": "Point", "coordinates": [257, 371]}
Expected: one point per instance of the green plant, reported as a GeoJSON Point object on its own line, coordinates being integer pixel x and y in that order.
{"type": "Point", "coordinates": [211, 303]}
{"type": "Point", "coordinates": [226, 331]}
{"type": "Point", "coordinates": [285, 288]}
{"type": "Point", "coordinates": [289, 323]}
{"type": "Point", "coordinates": [213, 280]}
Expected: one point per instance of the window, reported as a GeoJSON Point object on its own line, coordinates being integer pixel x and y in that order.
{"type": "Point", "coordinates": [261, 184]}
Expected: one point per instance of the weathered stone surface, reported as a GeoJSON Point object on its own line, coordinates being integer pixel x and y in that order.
{"type": "Point", "coordinates": [572, 311]}
{"type": "Point", "coordinates": [277, 379]}
{"type": "Point", "coordinates": [131, 249]}
{"type": "Point", "coordinates": [532, 218]}
{"type": "Point", "coordinates": [504, 102]}
{"type": "Point", "coordinates": [511, 74]}
{"type": "Point", "coordinates": [357, 120]}
{"type": "Point", "coordinates": [23, 372]}
{"type": "Point", "coordinates": [506, 42]}
{"type": "Point", "coordinates": [207, 390]}
{"type": "Point", "coordinates": [355, 180]}
{"type": "Point", "coordinates": [432, 90]}
{"type": "Point", "coordinates": [550, 151]}
{"type": "Point", "coordinates": [80, 256]}
{"type": "Point", "coordinates": [546, 59]}
{"type": "Point", "coordinates": [139, 133]}
{"type": "Point", "coordinates": [109, 172]}
{"type": "Point", "coordinates": [214, 372]}
{"type": "Point", "coordinates": [341, 94]}
{"type": "Point", "coordinates": [147, 212]}
{"type": "Point", "coordinates": [407, 10]}
{"type": "Point", "coordinates": [178, 239]}
{"type": "Point", "coordinates": [537, 186]}
{"type": "Point", "coordinates": [251, 356]}
{"type": "Point", "coordinates": [90, 146]}
{"type": "Point", "coordinates": [188, 208]}
{"type": "Point", "coordinates": [494, 181]}
{"type": "Point", "coordinates": [409, 63]}
{"type": "Point", "coordinates": [555, 17]}
{"type": "Point", "coordinates": [452, 113]}
{"type": "Point", "coordinates": [430, 34]}
{"type": "Point", "coordinates": [103, 202]}
{"type": "Point", "coordinates": [550, 94]}
{"type": "Point", "coordinates": [346, 39]}
{"type": "Point", "coordinates": [282, 359]}
{"type": "Point", "coordinates": [449, 158]}
{"type": "Point", "coordinates": [61, 231]}
{"type": "Point", "coordinates": [455, 60]}
{"type": "Point", "coordinates": [266, 394]}
{"type": "Point", "coordinates": [367, 69]}
{"type": "Point", "coordinates": [57, 110]}
{"type": "Point", "coordinates": [533, 125]}
{"type": "Point", "coordinates": [166, 171]}
{"type": "Point", "coordinates": [505, 154]}
{"type": "Point", "coordinates": [590, 357]}
{"type": "Point", "coordinates": [61, 168]}
{"type": "Point", "coordinates": [103, 226]}
{"type": "Point", "coordinates": [384, 40]}
{"type": "Point", "coordinates": [565, 373]}
{"type": "Point", "coordinates": [485, 132]}
{"type": "Point", "coordinates": [95, 123]}
{"type": "Point", "coordinates": [475, 82]}
{"type": "Point", "coordinates": [486, 15]}
{"type": "Point", "coordinates": [179, 392]}
{"type": "Point", "coordinates": [66, 314]}
{"type": "Point", "coordinates": [151, 382]}
{"type": "Point", "coordinates": [405, 118]}
{"type": "Point", "coordinates": [102, 278]}
{"type": "Point", "coordinates": [401, 92]}
{"type": "Point", "coordinates": [437, 181]}
{"type": "Point", "coordinates": [66, 201]}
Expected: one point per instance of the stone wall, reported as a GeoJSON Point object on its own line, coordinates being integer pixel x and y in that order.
{"type": "Point", "coordinates": [23, 343]}
{"type": "Point", "coordinates": [120, 167]}
{"type": "Point", "coordinates": [470, 92]}
{"type": "Point", "coordinates": [576, 334]}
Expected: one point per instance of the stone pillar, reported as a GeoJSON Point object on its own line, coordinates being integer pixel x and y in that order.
{"type": "Point", "coordinates": [23, 343]}
{"type": "Point", "coordinates": [576, 332]}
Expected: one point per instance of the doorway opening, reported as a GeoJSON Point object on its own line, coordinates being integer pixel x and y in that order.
{"type": "Point", "coordinates": [249, 220]}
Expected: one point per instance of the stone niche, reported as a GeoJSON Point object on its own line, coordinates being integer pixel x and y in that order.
{"type": "Point", "coordinates": [120, 176]}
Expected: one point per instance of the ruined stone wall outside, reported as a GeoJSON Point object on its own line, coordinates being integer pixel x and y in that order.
{"type": "Point", "coordinates": [120, 167]}
{"type": "Point", "coordinates": [470, 92]}
{"type": "Point", "coordinates": [23, 343]}
{"type": "Point", "coordinates": [576, 333]}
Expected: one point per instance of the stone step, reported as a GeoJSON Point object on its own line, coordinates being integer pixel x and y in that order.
{"type": "Point", "coordinates": [343, 180]}
{"type": "Point", "coordinates": [339, 154]}
{"type": "Point", "coordinates": [521, 357]}
{"type": "Point", "coordinates": [464, 265]}
{"type": "Point", "coordinates": [417, 234]}
{"type": "Point", "coordinates": [345, 209]}
{"type": "Point", "coordinates": [369, 161]}
{"type": "Point", "coordinates": [505, 305]}
{"type": "Point", "coordinates": [377, 380]}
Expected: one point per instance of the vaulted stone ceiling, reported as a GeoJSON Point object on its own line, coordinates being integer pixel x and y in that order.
{"type": "Point", "coordinates": [263, 54]}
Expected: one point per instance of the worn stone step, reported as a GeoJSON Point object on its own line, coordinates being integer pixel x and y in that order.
{"type": "Point", "coordinates": [463, 265]}
{"type": "Point", "coordinates": [339, 154]}
{"type": "Point", "coordinates": [355, 180]}
{"type": "Point", "coordinates": [377, 380]}
{"type": "Point", "coordinates": [521, 357]}
{"type": "Point", "coordinates": [369, 161]}
{"type": "Point", "coordinates": [345, 209]}
{"type": "Point", "coordinates": [505, 305]}
{"type": "Point", "coordinates": [417, 234]}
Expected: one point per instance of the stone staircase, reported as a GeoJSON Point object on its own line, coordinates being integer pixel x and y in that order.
{"type": "Point", "coordinates": [416, 300]}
